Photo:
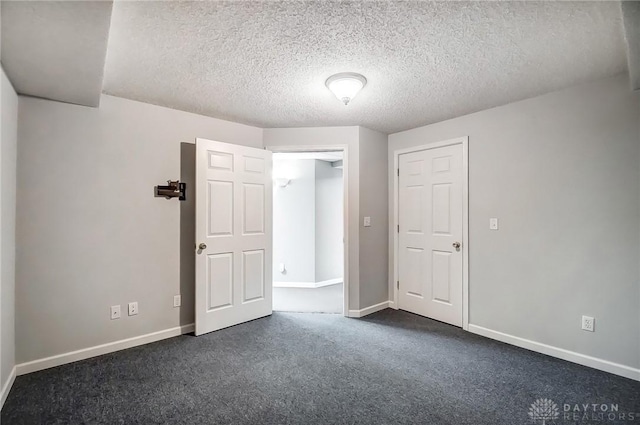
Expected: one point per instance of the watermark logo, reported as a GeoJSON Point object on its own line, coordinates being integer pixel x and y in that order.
{"type": "Point", "coordinates": [596, 412]}
{"type": "Point", "coordinates": [543, 409]}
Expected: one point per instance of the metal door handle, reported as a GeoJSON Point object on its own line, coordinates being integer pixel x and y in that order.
{"type": "Point", "coordinates": [202, 246]}
{"type": "Point", "coordinates": [456, 245]}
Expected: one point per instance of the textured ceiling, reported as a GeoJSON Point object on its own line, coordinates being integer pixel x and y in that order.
{"type": "Point", "coordinates": [56, 49]}
{"type": "Point", "coordinates": [265, 63]}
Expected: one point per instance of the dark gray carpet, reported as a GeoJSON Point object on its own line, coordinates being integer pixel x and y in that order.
{"type": "Point", "coordinates": [388, 368]}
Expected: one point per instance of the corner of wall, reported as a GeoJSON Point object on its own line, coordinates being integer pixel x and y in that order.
{"type": "Point", "coordinates": [8, 163]}
{"type": "Point", "coordinates": [373, 197]}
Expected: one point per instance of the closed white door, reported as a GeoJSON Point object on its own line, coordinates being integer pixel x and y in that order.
{"type": "Point", "coordinates": [430, 233]}
{"type": "Point", "coordinates": [233, 235]}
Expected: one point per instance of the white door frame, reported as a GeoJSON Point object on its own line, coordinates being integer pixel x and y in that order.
{"type": "Point", "coordinates": [464, 141]}
{"type": "Point", "coordinates": [345, 202]}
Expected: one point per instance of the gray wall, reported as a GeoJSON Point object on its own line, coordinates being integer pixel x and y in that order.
{"type": "Point", "coordinates": [90, 232]}
{"type": "Point", "coordinates": [374, 241]}
{"type": "Point", "coordinates": [8, 141]}
{"type": "Point", "coordinates": [329, 221]}
{"type": "Point", "coordinates": [294, 242]}
{"type": "Point", "coordinates": [562, 173]}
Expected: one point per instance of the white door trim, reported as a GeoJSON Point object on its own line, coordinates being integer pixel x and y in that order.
{"type": "Point", "coordinates": [345, 202]}
{"type": "Point", "coordinates": [464, 141]}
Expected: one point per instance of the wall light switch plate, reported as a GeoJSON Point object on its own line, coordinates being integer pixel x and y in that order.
{"type": "Point", "coordinates": [115, 312]}
{"type": "Point", "coordinates": [133, 308]}
{"type": "Point", "coordinates": [493, 223]}
{"type": "Point", "coordinates": [177, 300]}
{"type": "Point", "coordinates": [367, 222]}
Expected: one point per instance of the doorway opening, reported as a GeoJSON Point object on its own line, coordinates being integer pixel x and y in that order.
{"type": "Point", "coordinates": [308, 232]}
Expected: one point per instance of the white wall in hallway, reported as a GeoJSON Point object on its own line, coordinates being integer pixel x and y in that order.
{"type": "Point", "coordinates": [307, 221]}
{"type": "Point", "coordinates": [327, 299]}
{"type": "Point", "coordinates": [329, 222]}
{"type": "Point", "coordinates": [294, 216]}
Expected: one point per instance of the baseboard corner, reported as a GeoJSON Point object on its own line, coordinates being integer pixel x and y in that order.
{"type": "Point", "coordinates": [6, 387]}
{"type": "Point", "coordinates": [369, 310]}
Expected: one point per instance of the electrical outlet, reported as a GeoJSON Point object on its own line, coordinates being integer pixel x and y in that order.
{"type": "Point", "coordinates": [115, 312]}
{"type": "Point", "coordinates": [133, 308]}
{"type": "Point", "coordinates": [177, 300]}
{"type": "Point", "coordinates": [588, 324]}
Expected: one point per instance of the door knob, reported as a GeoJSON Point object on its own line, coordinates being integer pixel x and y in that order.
{"type": "Point", "coordinates": [456, 245]}
{"type": "Point", "coordinates": [202, 246]}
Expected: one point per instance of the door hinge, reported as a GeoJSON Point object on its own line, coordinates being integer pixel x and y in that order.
{"type": "Point", "coordinates": [398, 172]}
{"type": "Point", "coordinates": [398, 284]}
{"type": "Point", "coordinates": [398, 228]}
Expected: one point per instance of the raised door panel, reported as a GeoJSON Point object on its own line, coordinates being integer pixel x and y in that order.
{"type": "Point", "coordinates": [253, 208]}
{"type": "Point", "coordinates": [441, 209]}
{"type": "Point", "coordinates": [253, 273]}
{"type": "Point", "coordinates": [441, 277]}
{"type": "Point", "coordinates": [220, 160]}
{"type": "Point", "coordinates": [414, 209]}
{"type": "Point", "coordinates": [413, 276]}
{"type": "Point", "coordinates": [219, 208]}
{"type": "Point", "coordinates": [219, 281]}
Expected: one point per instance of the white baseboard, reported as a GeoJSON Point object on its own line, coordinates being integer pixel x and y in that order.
{"type": "Point", "coordinates": [561, 353]}
{"type": "Point", "coordinates": [98, 350]}
{"type": "Point", "coordinates": [311, 285]}
{"type": "Point", "coordinates": [369, 310]}
{"type": "Point", "coordinates": [7, 387]}
{"type": "Point", "coordinates": [393, 305]}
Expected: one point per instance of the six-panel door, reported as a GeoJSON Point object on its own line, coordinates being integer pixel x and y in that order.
{"type": "Point", "coordinates": [233, 234]}
{"type": "Point", "coordinates": [430, 220]}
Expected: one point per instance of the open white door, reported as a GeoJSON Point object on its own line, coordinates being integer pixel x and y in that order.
{"type": "Point", "coordinates": [430, 265]}
{"type": "Point", "coordinates": [233, 234]}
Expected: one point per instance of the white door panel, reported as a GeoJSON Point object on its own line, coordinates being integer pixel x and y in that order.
{"type": "Point", "coordinates": [233, 220]}
{"type": "Point", "coordinates": [430, 220]}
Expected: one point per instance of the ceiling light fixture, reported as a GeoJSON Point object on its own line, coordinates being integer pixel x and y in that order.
{"type": "Point", "coordinates": [346, 85]}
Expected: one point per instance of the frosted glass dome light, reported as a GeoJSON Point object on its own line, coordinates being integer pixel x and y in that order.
{"type": "Point", "coordinates": [346, 85]}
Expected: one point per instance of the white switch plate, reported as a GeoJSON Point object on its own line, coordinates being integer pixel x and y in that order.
{"type": "Point", "coordinates": [133, 308]}
{"type": "Point", "coordinates": [367, 222]}
{"type": "Point", "coordinates": [115, 312]}
{"type": "Point", "coordinates": [177, 300]}
{"type": "Point", "coordinates": [588, 324]}
{"type": "Point", "coordinates": [493, 223]}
